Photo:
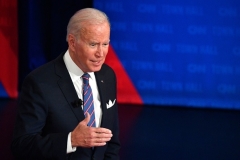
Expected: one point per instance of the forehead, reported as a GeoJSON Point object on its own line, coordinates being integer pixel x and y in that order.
{"type": "Point", "coordinates": [95, 30]}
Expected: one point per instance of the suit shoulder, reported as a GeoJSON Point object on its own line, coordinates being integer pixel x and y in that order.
{"type": "Point", "coordinates": [107, 68]}
{"type": "Point", "coordinates": [46, 69]}
{"type": "Point", "coordinates": [42, 70]}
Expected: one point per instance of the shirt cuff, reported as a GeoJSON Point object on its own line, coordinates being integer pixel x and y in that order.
{"type": "Point", "coordinates": [70, 149]}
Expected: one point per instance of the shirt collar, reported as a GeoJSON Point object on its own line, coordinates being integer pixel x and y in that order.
{"type": "Point", "coordinates": [72, 68]}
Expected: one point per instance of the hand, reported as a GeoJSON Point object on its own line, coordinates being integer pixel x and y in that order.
{"type": "Point", "coordinates": [85, 136]}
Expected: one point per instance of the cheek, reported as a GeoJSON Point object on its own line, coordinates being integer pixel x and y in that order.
{"type": "Point", "coordinates": [106, 51]}
{"type": "Point", "coordinates": [83, 52]}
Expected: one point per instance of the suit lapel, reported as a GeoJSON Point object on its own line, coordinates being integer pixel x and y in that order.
{"type": "Point", "coordinates": [102, 92]}
{"type": "Point", "coordinates": [66, 85]}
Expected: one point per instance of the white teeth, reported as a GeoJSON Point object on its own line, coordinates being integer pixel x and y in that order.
{"type": "Point", "coordinates": [96, 62]}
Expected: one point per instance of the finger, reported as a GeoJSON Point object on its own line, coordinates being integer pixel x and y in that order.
{"type": "Point", "coordinates": [103, 130]}
{"type": "Point", "coordinates": [87, 119]}
{"type": "Point", "coordinates": [103, 140]}
{"type": "Point", "coordinates": [104, 136]}
{"type": "Point", "coordinates": [96, 142]}
{"type": "Point", "coordinates": [99, 144]}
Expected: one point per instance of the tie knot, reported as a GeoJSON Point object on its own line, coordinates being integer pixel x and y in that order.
{"type": "Point", "coordinates": [85, 78]}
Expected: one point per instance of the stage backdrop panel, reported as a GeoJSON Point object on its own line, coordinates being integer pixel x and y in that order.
{"type": "Point", "coordinates": [8, 49]}
{"type": "Point", "coordinates": [178, 53]}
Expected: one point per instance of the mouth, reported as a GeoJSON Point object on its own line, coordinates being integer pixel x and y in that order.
{"type": "Point", "coordinates": [96, 62]}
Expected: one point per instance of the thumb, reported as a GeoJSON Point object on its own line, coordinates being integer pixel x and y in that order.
{"type": "Point", "coordinates": [87, 119]}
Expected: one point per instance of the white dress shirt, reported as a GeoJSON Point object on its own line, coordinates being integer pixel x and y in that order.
{"type": "Point", "coordinates": [76, 76]}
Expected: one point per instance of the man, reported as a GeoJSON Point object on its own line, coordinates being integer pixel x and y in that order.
{"type": "Point", "coordinates": [52, 122]}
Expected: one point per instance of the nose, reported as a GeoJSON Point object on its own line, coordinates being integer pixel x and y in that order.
{"type": "Point", "coordinates": [100, 51]}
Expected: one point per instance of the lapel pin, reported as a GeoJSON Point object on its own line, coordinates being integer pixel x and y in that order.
{"type": "Point", "coordinates": [102, 81]}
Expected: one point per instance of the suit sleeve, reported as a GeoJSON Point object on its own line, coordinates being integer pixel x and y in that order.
{"type": "Point", "coordinates": [29, 140]}
{"type": "Point", "coordinates": [113, 146]}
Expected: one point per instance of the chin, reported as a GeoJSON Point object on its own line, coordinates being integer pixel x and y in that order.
{"type": "Point", "coordinates": [95, 69]}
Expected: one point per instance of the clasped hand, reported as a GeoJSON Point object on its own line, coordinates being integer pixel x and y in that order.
{"type": "Point", "coordinates": [85, 136]}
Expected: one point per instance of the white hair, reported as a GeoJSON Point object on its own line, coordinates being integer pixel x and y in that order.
{"type": "Point", "coordinates": [83, 16]}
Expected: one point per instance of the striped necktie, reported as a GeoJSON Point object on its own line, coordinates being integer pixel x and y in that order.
{"type": "Point", "coordinates": [88, 100]}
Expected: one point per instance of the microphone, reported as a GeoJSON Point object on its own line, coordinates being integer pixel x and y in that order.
{"type": "Point", "coordinates": [77, 103]}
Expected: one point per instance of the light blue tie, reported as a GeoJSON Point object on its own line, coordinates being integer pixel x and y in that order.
{"type": "Point", "coordinates": [88, 100]}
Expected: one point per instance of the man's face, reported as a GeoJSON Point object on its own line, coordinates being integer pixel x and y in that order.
{"type": "Point", "coordinates": [90, 49]}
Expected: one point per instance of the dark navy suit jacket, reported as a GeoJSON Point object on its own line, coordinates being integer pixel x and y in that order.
{"type": "Point", "coordinates": [48, 112]}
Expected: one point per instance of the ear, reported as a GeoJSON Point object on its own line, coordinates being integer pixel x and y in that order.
{"type": "Point", "coordinates": [71, 42]}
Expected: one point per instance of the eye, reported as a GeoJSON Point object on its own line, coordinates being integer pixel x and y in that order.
{"type": "Point", "coordinates": [92, 44]}
{"type": "Point", "coordinates": [105, 44]}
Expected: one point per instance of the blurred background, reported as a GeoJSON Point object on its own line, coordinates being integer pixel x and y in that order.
{"type": "Point", "coordinates": [177, 65]}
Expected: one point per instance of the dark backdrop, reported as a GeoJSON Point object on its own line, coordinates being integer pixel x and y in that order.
{"type": "Point", "coordinates": [146, 132]}
{"type": "Point", "coordinates": [42, 30]}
